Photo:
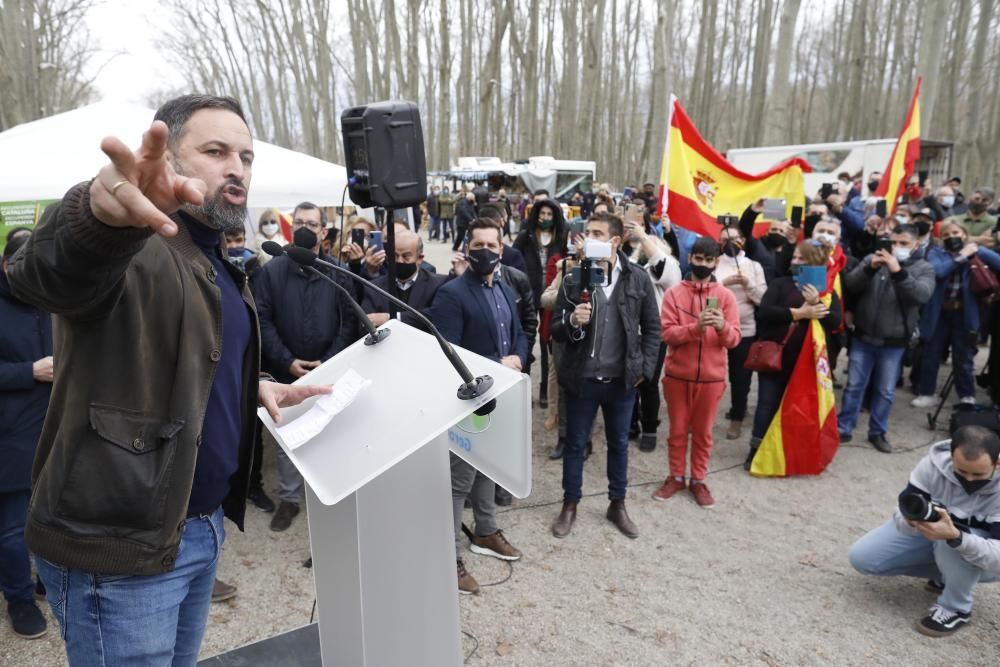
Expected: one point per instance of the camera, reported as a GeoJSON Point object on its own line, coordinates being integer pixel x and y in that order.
{"type": "Point", "coordinates": [916, 507]}
{"type": "Point", "coordinates": [590, 274]}
{"type": "Point", "coordinates": [727, 220]}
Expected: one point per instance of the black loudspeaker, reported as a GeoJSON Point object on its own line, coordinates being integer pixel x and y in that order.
{"type": "Point", "coordinates": [384, 152]}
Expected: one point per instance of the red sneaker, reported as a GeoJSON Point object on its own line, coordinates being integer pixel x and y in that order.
{"type": "Point", "coordinates": [702, 495]}
{"type": "Point", "coordinates": [669, 488]}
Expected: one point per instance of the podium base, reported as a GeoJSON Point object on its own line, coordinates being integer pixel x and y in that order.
{"type": "Point", "coordinates": [295, 648]}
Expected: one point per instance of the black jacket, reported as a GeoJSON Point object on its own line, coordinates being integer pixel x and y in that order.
{"type": "Point", "coordinates": [465, 212]}
{"type": "Point", "coordinates": [774, 316]}
{"type": "Point", "coordinates": [774, 261]}
{"type": "Point", "coordinates": [136, 342]}
{"type": "Point", "coordinates": [302, 316]}
{"type": "Point", "coordinates": [640, 315]}
{"type": "Point", "coordinates": [424, 289]}
{"type": "Point", "coordinates": [25, 337]}
{"type": "Point", "coordinates": [527, 244]}
{"type": "Point", "coordinates": [526, 308]}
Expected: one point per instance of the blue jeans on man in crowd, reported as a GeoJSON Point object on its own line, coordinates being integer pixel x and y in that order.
{"type": "Point", "coordinates": [887, 552]}
{"type": "Point", "coordinates": [15, 563]}
{"type": "Point", "coordinates": [880, 365]}
{"type": "Point", "coordinates": [950, 328]}
{"type": "Point", "coordinates": [616, 402]}
{"type": "Point", "coordinates": [154, 621]}
{"type": "Point", "coordinates": [432, 230]}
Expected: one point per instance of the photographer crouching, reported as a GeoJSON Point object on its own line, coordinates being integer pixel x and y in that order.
{"type": "Point", "coordinates": [946, 528]}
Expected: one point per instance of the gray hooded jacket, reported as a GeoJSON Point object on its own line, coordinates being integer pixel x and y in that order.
{"type": "Point", "coordinates": [934, 476]}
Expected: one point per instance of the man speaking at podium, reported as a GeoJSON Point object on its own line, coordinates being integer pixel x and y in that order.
{"type": "Point", "coordinates": [149, 434]}
{"type": "Point", "coordinates": [478, 312]}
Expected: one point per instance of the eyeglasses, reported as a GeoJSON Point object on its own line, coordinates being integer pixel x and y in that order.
{"type": "Point", "coordinates": [312, 224]}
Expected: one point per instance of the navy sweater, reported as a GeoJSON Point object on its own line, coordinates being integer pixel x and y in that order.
{"type": "Point", "coordinates": [218, 455]}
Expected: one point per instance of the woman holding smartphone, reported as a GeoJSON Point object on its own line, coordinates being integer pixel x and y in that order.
{"type": "Point", "coordinates": [786, 302]}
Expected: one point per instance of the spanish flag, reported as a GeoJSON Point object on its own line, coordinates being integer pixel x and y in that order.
{"type": "Point", "coordinates": [802, 438]}
{"type": "Point", "coordinates": [698, 183]}
{"type": "Point", "coordinates": [904, 156]}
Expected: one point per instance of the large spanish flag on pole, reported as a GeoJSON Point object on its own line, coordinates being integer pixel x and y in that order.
{"type": "Point", "coordinates": [697, 183]}
{"type": "Point", "coordinates": [904, 156]}
{"type": "Point", "coordinates": [802, 438]}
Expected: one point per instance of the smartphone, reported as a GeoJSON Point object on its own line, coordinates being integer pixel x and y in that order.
{"type": "Point", "coordinates": [923, 176]}
{"type": "Point", "coordinates": [826, 190]}
{"type": "Point", "coordinates": [881, 209]}
{"type": "Point", "coordinates": [633, 213]}
{"type": "Point", "coordinates": [711, 303]}
{"type": "Point", "coordinates": [727, 220]}
{"type": "Point", "coordinates": [577, 228]}
{"type": "Point", "coordinates": [375, 241]}
{"type": "Point", "coordinates": [627, 193]}
{"type": "Point", "coordinates": [358, 237]}
{"type": "Point", "coordinates": [796, 216]}
{"type": "Point", "coordinates": [812, 275]}
{"type": "Point", "coordinates": [774, 209]}
{"type": "Point", "coordinates": [883, 243]}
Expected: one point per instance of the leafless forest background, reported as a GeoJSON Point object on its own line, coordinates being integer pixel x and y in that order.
{"type": "Point", "coordinates": [576, 79]}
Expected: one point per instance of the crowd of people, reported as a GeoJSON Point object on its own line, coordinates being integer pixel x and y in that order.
{"type": "Point", "coordinates": [622, 309]}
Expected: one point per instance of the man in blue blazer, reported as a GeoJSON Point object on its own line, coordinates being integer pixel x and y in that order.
{"type": "Point", "coordinates": [478, 312]}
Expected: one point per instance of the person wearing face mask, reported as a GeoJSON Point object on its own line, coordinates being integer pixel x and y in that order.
{"type": "Point", "coordinates": [700, 322]}
{"type": "Point", "coordinates": [478, 312]}
{"type": "Point", "coordinates": [917, 195]}
{"type": "Point", "coordinates": [827, 230]}
{"type": "Point", "coordinates": [745, 279]}
{"type": "Point", "coordinates": [785, 308]}
{"type": "Point", "coordinates": [244, 258]}
{"type": "Point", "coordinates": [955, 552]}
{"type": "Point", "coordinates": [304, 321]}
{"type": "Point", "coordinates": [417, 286]}
{"type": "Point", "coordinates": [433, 214]}
{"type": "Point", "coordinates": [982, 226]}
{"type": "Point", "coordinates": [952, 316]}
{"type": "Point", "coordinates": [887, 290]}
{"type": "Point", "coordinates": [612, 339]}
{"type": "Point", "coordinates": [945, 197]}
{"type": "Point", "coordinates": [773, 251]}
{"type": "Point", "coordinates": [268, 229]}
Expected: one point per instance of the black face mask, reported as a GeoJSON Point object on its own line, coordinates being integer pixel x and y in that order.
{"type": "Point", "coordinates": [773, 240]}
{"type": "Point", "coordinates": [483, 261]}
{"type": "Point", "coordinates": [872, 186]}
{"type": "Point", "coordinates": [404, 270]}
{"type": "Point", "coordinates": [731, 249]}
{"type": "Point", "coordinates": [922, 227]}
{"type": "Point", "coordinates": [972, 485]}
{"type": "Point", "coordinates": [954, 243]}
{"type": "Point", "coordinates": [304, 237]}
{"type": "Point", "coordinates": [701, 272]}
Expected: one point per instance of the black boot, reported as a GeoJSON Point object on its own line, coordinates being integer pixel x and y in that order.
{"type": "Point", "coordinates": [557, 451]}
{"type": "Point", "coordinates": [502, 497]}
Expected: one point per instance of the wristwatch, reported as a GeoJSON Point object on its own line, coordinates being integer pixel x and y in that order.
{"type": "Point", "coordinates": [956, 542]}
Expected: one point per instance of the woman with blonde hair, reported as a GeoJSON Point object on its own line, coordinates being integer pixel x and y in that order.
{"type": "Point", "coordinates": [268, 229]}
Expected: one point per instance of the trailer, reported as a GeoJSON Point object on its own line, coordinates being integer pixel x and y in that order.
{"type": "Point", "coordinates": [521, 177]}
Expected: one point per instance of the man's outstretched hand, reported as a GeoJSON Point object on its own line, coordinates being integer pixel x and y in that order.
{"type": "Point", "coordinates": [141, 189]}
{"type": "Point", "coordinates": [274, 395]}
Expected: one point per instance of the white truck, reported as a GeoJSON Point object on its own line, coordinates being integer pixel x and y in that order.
{"type": "Point", "coordinates": [854, 157]}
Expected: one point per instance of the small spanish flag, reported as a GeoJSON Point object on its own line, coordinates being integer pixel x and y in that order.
{"type": "Point", "coordinates": [697, 183]}
{"type": "Point", "coordinates": [802, 438]}
{"type": "Point", "coordinates": [904, 155]}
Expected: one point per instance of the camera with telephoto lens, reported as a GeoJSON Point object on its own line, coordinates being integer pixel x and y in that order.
{"type": "Point", "coordinates": [590, 274]}
{"type": "Point", "coordinates": [916, 507]}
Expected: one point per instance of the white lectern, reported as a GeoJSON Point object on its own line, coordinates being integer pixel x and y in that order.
{"type": "Point", "coordinates": [379, 494]}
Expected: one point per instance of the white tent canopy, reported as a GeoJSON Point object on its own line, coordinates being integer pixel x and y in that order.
{"type": "Point", "coordinates": [42, 159]}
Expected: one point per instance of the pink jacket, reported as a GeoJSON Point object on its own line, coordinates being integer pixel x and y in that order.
{"type": "Point", "coordinates": [693, 355]}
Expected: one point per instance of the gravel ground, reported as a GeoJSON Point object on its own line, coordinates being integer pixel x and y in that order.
{"type": "Point", "coordinates": [761, 579]}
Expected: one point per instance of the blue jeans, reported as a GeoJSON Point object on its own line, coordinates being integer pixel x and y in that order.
{"type": "Point", "coordinates": [880, 365]}
{"type": "Point", "coordinates": [156, 620]}
{"type": "Point", "coordinates": [616, 403]}
{"type": "Point", "coordinates": [889, 553]}
{"type": "Point", "coordinates": [15, 563]}
{"type": "Point", "coordinates": [950, 328]}
{"type": "Point", "coordinates": [432, 231]}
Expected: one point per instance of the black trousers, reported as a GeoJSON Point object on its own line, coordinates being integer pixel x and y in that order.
{"type": "Point", "coordinates": [256, 479]}
{"type": "Point", "coordinates": [646, 413]}
{"type": "Point", "coordinates": [740, 379]}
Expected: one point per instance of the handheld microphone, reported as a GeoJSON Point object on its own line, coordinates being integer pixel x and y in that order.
{"type": "Point", "coordinates": [472, 386]}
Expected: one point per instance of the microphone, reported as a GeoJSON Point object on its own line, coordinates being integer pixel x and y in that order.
{"type": "Point", "coordinates": [472, 386]}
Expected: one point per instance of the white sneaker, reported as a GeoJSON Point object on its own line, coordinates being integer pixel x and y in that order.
{"type": "Point", "coordinates": [924, 401]}
{"type": "Point", "coordinates": [968, 400]}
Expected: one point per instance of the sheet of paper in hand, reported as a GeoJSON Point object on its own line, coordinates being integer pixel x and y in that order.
{"type": "Point", "coordinates": [312, 423]}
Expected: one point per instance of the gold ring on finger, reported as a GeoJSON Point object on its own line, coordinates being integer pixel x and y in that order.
{"type": "Point", "coordinates": [118, 185]}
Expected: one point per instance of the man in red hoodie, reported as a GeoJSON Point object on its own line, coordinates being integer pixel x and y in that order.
{"type": "Point", "coordinates": [699, 322]}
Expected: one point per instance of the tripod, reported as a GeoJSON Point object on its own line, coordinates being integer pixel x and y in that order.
{"type": "Point", "coordinates": [942, 396]}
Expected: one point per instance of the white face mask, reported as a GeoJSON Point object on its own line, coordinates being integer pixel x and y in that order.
{"type": "Point", "coordinates": [825, 237]}
{"type": "Point", "coordinates": [269, 229]}
{"type": "Point", "coordinates": [902, 254]}
{"type": "Point", "coordinates": [948, 201]}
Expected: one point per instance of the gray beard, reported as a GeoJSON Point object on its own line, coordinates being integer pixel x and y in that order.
{"type": "Point", "coordinates": [215, 211]}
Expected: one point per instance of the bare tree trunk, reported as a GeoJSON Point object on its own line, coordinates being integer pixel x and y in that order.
{"type": "Point", "coordinates": [929, 65]}
{"type": "Point", "coordinates": [778, 102]}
